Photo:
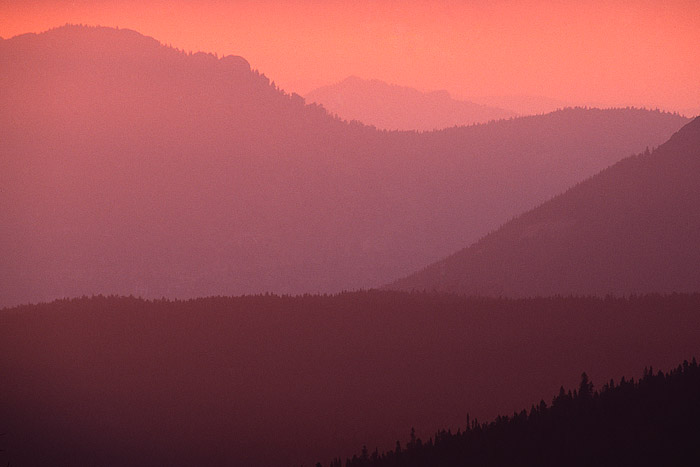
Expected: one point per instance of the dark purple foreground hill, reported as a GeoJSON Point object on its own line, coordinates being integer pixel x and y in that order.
{"type": "Point", "coordinates": [262, 381]}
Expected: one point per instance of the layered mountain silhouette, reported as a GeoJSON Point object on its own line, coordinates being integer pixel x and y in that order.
{"type": "Point", "coordinates": [129, 167]}
{"type": "Point", "coordinates": [283, 381]}
{"type": "Point", "coordinates": [633, 228]}
{"type": "Point", "coordinates": [393, 107]}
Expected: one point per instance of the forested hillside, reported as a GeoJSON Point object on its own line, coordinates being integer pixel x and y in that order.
{"type": "Point", "coordinates": [271, 380]}
{"type": "Point", "coordinates": [649, 422]}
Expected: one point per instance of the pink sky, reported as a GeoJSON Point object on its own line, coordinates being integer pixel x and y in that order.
{"type": "Point", "coordinates": [607, 53]}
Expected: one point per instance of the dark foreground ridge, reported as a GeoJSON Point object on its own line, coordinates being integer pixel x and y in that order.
{"type": "Point", "coordinates": [653, 421]}
{"type": "Point", "coordinates": [287, 381]}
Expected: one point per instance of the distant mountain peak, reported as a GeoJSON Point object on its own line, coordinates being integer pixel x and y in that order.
{"type": "Point", "coordinates": [353, 79]}
{"type": "Point", "coordinates": [104, 31]}
{"type": "Point", "coordinates": [396, 107]}
{"type": "Point", "coordinates": [236, 61]}
{"type": "Point", "coordinates": [100, 38]}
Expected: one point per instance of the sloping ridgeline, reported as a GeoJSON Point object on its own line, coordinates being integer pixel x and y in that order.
{"type": "Point", "coordinates": [270, 380]}
{"type": "Point", "coordinates": [394, 107]}
{"type": "Point", "coordinates": [128, 167]}
{"type": "Point", "coordinates": [650, 422]}
{"type": "Point", "coordinates": [633, 228]}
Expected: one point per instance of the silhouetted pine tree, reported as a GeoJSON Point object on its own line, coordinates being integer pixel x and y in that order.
{"type": "Point", "coordinates": [653, 421]}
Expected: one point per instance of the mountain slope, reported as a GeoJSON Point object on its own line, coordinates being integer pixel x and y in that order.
{"type": "Point", "coordinates": [633, 228]}
{"type": "Point", "coordinates": [281, 381]}
{"type": "Point", "coordinates": [128, 167]}
{"type": "Point", "coordinates": [393, 107]}
{"type": "Point", "coordinates": [650, 422]}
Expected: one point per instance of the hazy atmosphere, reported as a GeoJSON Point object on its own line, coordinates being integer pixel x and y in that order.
{"type": "Point", "coordinates": [601, 53]}
{"type": "Point", "coordinates": [349, 234]}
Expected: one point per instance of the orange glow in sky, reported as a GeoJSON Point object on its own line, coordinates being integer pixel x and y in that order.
{"type": "Point", "coordinates": [605, 53]}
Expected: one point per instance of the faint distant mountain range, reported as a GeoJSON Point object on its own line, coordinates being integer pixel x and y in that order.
{"type": "Point", "coordinates": [393, 107]}
{"type": "Point", "coordinates": [632, 229]}
{"type": "Point", "coordinates": [524, 105]}
{"type": "Point", "coordinates": [128, 167]}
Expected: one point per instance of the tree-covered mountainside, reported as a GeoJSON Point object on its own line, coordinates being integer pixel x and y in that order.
{"type": "Point", "coordinates": [128, 167]}
{"type": "Point", "coordinates": [633, 228]}
{"type": "Point", "coordinates": [649, 422]}
{"type": "Point", "coordinates": [274, 380]}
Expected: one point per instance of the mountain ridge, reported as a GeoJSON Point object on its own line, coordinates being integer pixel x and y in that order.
{"type": "Point", "coordinates": [648, 206]}
{"type": "Point", "coordinates": [203, 381]}
{"type": "Point", "coordinates": [395, 107]}
{"type": "Point", "coordinates": [155, 172]}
